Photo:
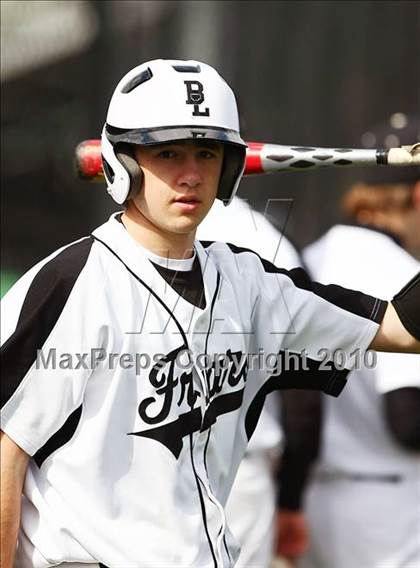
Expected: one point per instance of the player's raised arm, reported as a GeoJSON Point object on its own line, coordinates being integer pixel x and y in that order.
{"type": "Point", "coordinates": [400, 327]}
{"type": "Point", "coordinates": [14, 462]}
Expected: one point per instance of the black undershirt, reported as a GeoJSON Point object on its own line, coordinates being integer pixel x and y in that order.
{"type": "Point", "coordinates": [187, 283]}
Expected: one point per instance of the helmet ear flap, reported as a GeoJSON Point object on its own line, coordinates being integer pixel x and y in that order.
{"type": "Point", "coordinates": [232, 170]}
{"type": "Point", "coordinates": [126, 157]}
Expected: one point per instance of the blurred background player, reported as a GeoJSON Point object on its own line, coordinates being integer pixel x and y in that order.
{"type": "Point", "coordinates": [363, 500]}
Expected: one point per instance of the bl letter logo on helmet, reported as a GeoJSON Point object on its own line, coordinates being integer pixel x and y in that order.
{"type": "Point", "coordinates": [195, 96]}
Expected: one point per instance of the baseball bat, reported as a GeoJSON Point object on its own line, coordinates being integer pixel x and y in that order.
{"type": "Point", "coordinates": [269, 158]}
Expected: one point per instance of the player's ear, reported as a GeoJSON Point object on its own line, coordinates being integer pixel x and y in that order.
{"type": "Point", "coordinates": [126, 155]}
{"type": "Point", "coordinates": [364, 216]}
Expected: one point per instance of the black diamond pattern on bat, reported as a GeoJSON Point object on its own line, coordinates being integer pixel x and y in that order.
{"type": "Point", "coordinates": [280, 158]}
{"type": "Point", "coordinates": [302, 164]}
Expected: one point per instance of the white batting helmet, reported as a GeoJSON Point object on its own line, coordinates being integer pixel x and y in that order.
{"type": "Point", "coordinates": [162, 101]}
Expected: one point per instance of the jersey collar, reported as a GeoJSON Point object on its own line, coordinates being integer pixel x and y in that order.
{"type": "Point", "coordinates": [114, 235]}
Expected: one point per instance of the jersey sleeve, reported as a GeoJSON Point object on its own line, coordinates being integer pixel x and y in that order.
{"type": "Point", "coordinates": [320, 316]}
{"type": "Point", "coordinates": [48, 325]}
{"type": "Point", "coordinates": [327, 324]}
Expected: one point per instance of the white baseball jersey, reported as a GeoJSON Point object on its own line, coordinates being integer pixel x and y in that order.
{"type": "Point", "coordinates": [134, 457]}
{"type": "Point", "coordinates": [363, 502]}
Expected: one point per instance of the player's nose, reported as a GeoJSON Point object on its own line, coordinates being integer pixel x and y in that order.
{"type": "Point", "coordinates": [190, 174]}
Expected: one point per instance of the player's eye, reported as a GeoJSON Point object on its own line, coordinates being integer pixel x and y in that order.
{"type": "Point", "coordinates": [207, 154]}
{"type": "Point", "coordinates": [166, 154]}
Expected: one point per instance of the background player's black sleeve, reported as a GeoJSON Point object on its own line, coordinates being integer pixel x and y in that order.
{"type": "Point", "coordinates": [301, 413]}
{"type": "Point", "coordinates": [402, 413]}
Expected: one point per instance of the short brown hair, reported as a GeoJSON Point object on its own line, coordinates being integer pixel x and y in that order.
{"type": "Point", "coordinates": [386, 197]}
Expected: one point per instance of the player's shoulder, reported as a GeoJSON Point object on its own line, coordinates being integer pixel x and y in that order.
{"type": "Point", "coordinates": [68, 261]}
{"type": "Point", "coordinates": [226, 252]}
{"type": "Point", "coordinates": [355, 242]}
{"type": "Point", "coordinates": [360, 258]}
{"type": "Point", "coordinates": [60, 268]}
{"type": "Point", "coordinates": [234, 259]}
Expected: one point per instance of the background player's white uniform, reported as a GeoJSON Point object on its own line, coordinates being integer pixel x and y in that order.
{"type": "Point", "coordinates": [133, 464]}
{"type": "Point", "coordinates": [252, 502]}
{"type": "Point", "coordinates": [363, 502]}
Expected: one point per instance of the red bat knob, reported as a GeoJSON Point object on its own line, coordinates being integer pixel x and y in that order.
{"type": "Point", "coordinates": [88, 160]}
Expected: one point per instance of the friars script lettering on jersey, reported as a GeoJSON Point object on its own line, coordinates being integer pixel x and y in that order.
{"type": "Point", "coordinates": [172, 388]}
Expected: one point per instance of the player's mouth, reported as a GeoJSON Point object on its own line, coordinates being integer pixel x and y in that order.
{"type": "Point", "coordinates": [187, 202]}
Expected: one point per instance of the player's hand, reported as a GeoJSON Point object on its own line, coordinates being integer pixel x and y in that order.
{"type": "Point", "coordinates": [292, 534]}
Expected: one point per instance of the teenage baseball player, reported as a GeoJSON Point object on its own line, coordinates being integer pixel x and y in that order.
{"type": "Point", "coordinates": [137, 358]}
{"type": "Point", "coordinates": [363, 500]}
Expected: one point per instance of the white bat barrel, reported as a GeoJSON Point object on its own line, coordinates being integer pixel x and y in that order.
{"type": "Point", "coordinates": [275, 157]}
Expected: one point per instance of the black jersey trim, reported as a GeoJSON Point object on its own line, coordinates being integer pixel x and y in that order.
{"type": "Point", "coordinates": [256, 406]}
{"type": "Point", "coordinates": [206, 244]}
{"type": "Point", "coordinates": [313, 377]}
{"type": "Point", "coordinates": [60, 438]}
{"type": "Point", "coordinates": [41, 309]}
{"type": "Point", "coordinates": [352, 301]}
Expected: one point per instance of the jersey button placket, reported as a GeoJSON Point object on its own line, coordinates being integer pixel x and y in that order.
{"type": "Point", "coordinates": [201, 332]}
